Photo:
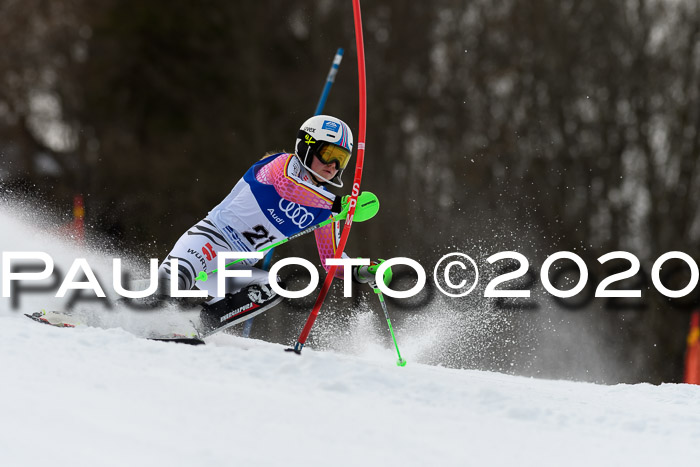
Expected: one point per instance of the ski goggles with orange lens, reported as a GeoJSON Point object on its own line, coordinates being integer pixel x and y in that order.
{"type": "Point", "coordinates": [330, 153]}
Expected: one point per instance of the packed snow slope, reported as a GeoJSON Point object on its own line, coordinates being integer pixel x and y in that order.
{"type": "Point", "coordinates": [91, 396]}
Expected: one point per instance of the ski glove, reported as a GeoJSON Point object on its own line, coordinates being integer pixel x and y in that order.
{"type": "Point", "coordinates": [366, 274]}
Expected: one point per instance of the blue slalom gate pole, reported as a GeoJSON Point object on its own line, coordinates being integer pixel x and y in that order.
{"type": "Point", "coordinates": [330, 79]}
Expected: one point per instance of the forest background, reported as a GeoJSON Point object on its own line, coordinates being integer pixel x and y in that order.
{"type": "Point", "coordinates": [533, 126]}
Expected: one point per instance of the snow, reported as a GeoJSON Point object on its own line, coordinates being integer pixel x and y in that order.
{"type": "Point", "coordinates": [91, 396]}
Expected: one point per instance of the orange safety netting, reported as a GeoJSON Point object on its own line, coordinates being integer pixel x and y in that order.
{"type": "Point", "coordinates": [692, 355]}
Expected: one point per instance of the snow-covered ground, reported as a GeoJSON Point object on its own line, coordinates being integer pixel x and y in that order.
{"type": "Point", "coordinates": [91, 396]}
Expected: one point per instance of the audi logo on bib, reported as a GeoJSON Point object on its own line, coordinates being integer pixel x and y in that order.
{"type": "Point", "coordinates": [297, 214]}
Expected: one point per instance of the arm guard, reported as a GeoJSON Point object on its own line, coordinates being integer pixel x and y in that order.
{"type": "Point", "coordinates": [327, 238]}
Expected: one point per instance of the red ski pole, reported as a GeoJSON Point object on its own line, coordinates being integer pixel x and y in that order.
{"type": "Point", "coordinates": [355, 185]}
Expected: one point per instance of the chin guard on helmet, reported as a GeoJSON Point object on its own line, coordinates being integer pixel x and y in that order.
{"type": "Point", "coordinates": [327, 138]}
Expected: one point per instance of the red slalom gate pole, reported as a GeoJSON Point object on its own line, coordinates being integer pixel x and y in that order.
{"type": "Point", "coordinates": [356, 182]}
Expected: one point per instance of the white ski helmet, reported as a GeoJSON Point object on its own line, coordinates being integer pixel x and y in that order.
{"type": "Point", "coordinates": [327, 138]}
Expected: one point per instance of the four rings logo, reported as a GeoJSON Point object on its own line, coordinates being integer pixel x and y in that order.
{"type": "Point", "coordinates": [297, 214]}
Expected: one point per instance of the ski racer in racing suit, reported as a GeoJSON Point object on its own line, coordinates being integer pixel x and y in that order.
{"type": "Point", "coordinates": [279, 196]}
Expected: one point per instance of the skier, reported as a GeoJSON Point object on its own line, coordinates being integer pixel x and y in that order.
{"type": "Point", "coordinates": [279, 196]}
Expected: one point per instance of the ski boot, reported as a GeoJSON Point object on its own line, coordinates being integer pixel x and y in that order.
{"type": "Point", "coordinates": [237, 307]}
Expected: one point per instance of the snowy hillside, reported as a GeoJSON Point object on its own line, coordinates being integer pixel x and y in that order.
{"type": "Point", "coordinates": [91, 396]}
{"type": "Point", "coordinates": [88, 396]}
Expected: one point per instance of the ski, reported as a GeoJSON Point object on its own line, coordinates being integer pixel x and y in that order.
{"type": "Point", "coordinates": [178, 339]}
{"type": "Point", "coordinates": [65, 320]}
{"type": "Point", "coordinates": [52, 318]}
{"type": "Point", "coordinates": [231, 310]}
